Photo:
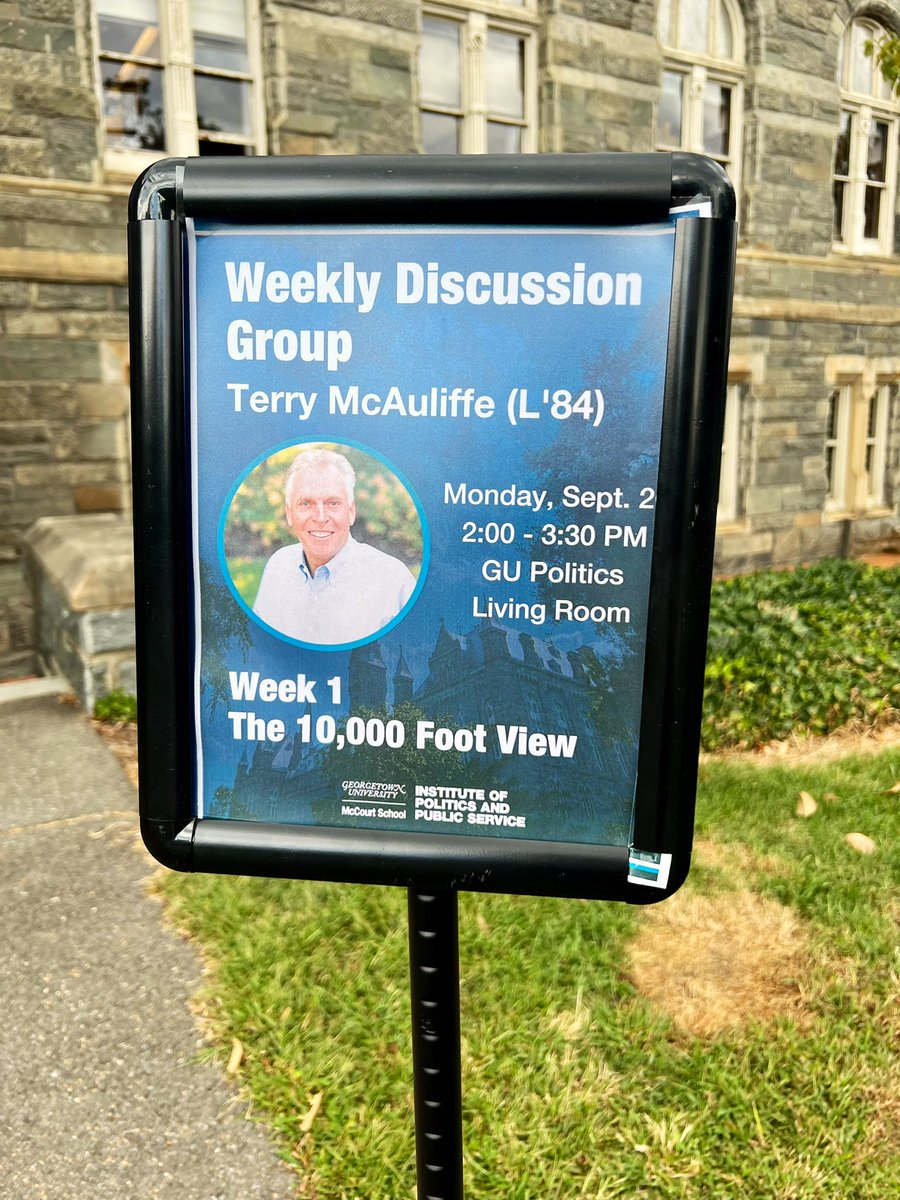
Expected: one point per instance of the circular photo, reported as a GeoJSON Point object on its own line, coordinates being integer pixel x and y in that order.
{"type": "Point", "coordinates": [324, 544]}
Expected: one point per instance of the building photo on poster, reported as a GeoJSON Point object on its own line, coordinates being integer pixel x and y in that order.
{"type": "Point", "coordinates": [423, 475]}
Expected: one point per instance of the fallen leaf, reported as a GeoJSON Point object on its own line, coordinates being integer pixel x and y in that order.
{"type": "Point", "coordinates": [483, 925]}
{"type": "Point", "coordinates": [286, 1013]}
{"type": "Point", "coordinates": [831, 798]}
{"type": "Point", "coordinates": [237, 1057]}
{"type": "Point", "coordinates": [860, 842]}
{"type": "Point", "coordinates": [806, 806]}
{"type": "Point", "coordinates": [892, 791]}
{"type": "Point", "coordinates": [311, 1113]}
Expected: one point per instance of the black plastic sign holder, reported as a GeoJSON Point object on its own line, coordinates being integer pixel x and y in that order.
{"type": "Point", "coordinates": [591, 190]}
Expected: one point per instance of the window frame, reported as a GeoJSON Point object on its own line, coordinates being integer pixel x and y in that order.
{"type": "Point", "coordinates": [855, 490]}
{"type": "Point", "coordinates": [879, 440]}
{"type": "Point", "coordinates": [475, 22]}
{"type": "Point", "coordinates": [728, 510]}
{"type": "Point", "coordinates": [699, 68]}
{"type": "Point", "coordinates": [746, 371]}
{"type": "Point", "coordinates": [182, 135]}
{"type": "Point", "coordinates": [837, 478]}
{"type": "Point", "coordinates": [864, 109]}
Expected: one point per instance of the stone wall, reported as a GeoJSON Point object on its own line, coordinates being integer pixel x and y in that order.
{"type": "Point", "coordinates": [63, 313]}
{"type": "Point", "coordinates": [64, 432]}
{"type": "Point", "coordinates": [793, 315]}
{"type": "Point", "coordinates": [81, 576]}
{"type": "Point", "coordinates": [599, 83]}
{"type": "Point", "coordinates": [340, 76]}
{"type": "Point", "coordinates": [48, 106]}
{"type": "Point", "coordinates": [798, 303]}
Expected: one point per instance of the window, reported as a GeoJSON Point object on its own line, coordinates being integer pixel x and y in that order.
{"type": "Point", "coordinates": [729, 480]}
{"type": "Point", "coordinates": [746, 372]}
{"type": "Point", "coordinates": [837, 445]}
{"type": "Point", "coordinates": [878, 407]}
{"type": "Point", "coordinates": [865, 160]}
{"type": "Point", "coordinates": [701, 90]}
{"type": "Point", "coordinates": [857, 434]}
{"type": "Point", "coordinates": [476, 83]}
{"type": "Point", "coordinates": [176, 79]}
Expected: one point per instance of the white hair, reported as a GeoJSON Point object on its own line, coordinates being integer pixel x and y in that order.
{"type": "Point", "coordinates": [308, 462]}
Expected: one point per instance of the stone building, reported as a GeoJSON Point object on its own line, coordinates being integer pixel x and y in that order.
{"type": "Point", "coordinates": [488, 674]}
{"type": "Point", "coordinates": [779, 91]}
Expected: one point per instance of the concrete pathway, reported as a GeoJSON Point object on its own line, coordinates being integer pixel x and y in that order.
{"type": "Point", "coordinates": [101, 1096]}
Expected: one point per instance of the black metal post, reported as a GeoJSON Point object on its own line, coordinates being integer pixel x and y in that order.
{"type": "Point", "coordinates": [434, 987]}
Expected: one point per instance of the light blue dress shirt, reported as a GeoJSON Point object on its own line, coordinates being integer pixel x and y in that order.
{"type": "Point", "coordinates": [351, 597]}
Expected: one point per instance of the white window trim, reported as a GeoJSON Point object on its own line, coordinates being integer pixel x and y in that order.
{"type": "Point", "coordinates": [729, 477]}
{"type": "Point", "coordinates": [696, 76]}
{"type": "Point", "coordinates": [864, 109]}
{"type": "Point", "coordinates": [181, 132]}
{"type": "Point", "coordinates": [745, 373]}
{"type": "Point", "coordinates": [837, 496]}
{"type": "Point", "coordinates": [854, 242]}
{"type": "Point", "coordinates": [879, 443]}
{"type": "Point", "coordinates": [854, 493]}
{"type": "Point", "coordinates": [527, 10]}
{"type": "Point", "coordinates": [475, 21]}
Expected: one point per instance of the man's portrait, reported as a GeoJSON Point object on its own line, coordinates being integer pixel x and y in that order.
{"type": "Point", "coordinates": [324, 544]}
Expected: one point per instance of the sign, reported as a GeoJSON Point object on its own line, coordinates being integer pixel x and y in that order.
{"type": "Point", "coordinates": [440, 524]}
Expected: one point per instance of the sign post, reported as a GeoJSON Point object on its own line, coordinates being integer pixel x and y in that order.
{"type": "Point", "coordinates": [434, 992]}
{"type": "Point", "coordinates": [426, 457]}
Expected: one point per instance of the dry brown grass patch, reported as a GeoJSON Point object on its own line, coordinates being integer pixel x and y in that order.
{"type": "Point", "coordinates": [736, 859]}
{"type": "Point", "coordinates": [855, 737]}
{"type": "Point", "coordinates": [714, 963]}
{"type": "Point", "coordinates": [882, 1138]}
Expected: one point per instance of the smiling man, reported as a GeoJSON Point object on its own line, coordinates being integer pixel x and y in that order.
{"type": "Point", "coordinates": [329, 589]}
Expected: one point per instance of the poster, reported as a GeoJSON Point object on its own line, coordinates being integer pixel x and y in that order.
{"type": "Point", "coordinates": [423, 473]}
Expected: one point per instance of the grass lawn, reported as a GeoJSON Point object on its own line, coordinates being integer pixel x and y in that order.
{"type": "Point", "coordinates": [738, 1041]}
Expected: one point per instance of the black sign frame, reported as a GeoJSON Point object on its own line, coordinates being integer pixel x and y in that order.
{"type": "Point", "coordinates": [577, 190]}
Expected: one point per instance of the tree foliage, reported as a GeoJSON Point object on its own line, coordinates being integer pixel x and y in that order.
{"type": "Point", "coordinates": [225, 635]}
{"type": "Point", "coordinates": [886, 52]}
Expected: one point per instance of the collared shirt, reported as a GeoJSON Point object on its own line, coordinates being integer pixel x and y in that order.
{"type": "Point", "coordinates": [352, 596]}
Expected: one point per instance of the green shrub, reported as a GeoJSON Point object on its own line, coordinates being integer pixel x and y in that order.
{"type": "Point", "coordinates": [116, 706]}
{"type": "Point", "coordinates": [801, 651]}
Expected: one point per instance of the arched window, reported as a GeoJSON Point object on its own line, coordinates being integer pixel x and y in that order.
{"type": "Point", "coordinates": [700, 98]}
{"type": "Point", "coordinates": [865, 160]}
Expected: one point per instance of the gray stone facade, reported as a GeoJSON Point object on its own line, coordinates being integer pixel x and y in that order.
{"type": "Point", "coordinates": [82, 583]}
{"type": "Point", "coordinates": [340, 77]}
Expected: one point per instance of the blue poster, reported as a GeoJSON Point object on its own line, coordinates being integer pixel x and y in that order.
{"type": "Point", "coordinates": [424, 467]}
